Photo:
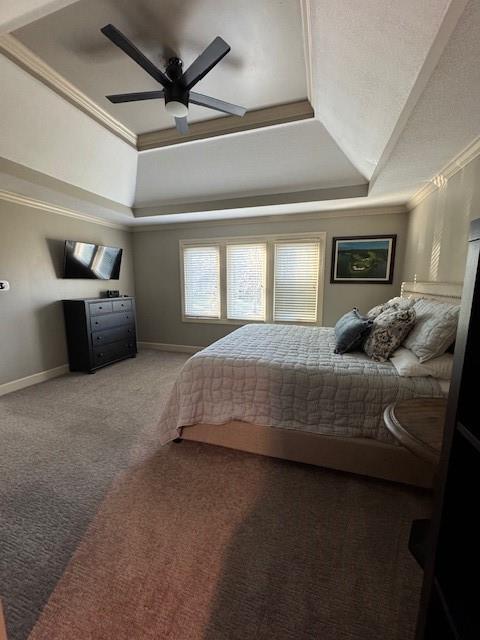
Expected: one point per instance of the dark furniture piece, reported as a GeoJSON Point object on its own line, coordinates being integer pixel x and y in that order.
{"type": "Point", "coordinates": [99, 331]}
{"type": "Point", "coordinates": [449, 607]}
{"type": "Point", "coordinates": [417, 424]}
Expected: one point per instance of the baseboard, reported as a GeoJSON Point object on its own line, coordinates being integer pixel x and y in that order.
{"type": "Point", "coordinates": [160, 346]}
{"type": "Point", "coordinates": [28, 381]}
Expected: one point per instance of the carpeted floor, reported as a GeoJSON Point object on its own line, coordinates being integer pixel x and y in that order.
{"type": "Point", "coordinates": [110, 537]}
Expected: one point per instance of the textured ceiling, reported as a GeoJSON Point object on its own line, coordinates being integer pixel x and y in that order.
{"type": "Point", "coordinates": [395, 86]}
{"type": "Point", "coordinates": [366, 60]}
{"type": "Point", "coordinates": [265, 66]}
{"type": "Point", "coordinates": [446, 118]}
{"type": "Point", "coordinates": [297, 156]}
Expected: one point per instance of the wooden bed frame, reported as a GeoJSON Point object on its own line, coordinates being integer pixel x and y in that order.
{"type": "Point", "coordinates": [356, 455]}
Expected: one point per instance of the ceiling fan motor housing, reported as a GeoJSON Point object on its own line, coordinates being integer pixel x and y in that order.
{"type": "Point", "coordinates": [176, 91]}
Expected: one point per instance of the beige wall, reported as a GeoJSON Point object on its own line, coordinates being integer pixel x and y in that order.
{"type": "Point", "coordinates": [438, 228]}
{"type": "Point", "coordinates": [158, 279]}
{"type": "Point", "coordinates": [31, 255]}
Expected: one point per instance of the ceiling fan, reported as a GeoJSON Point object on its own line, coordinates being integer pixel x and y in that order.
{"type": "Point", "coordinates": [176, 83]}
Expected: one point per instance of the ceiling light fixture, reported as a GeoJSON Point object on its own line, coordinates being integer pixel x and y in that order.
{"type": "Point", "coordinates": [176, 109]}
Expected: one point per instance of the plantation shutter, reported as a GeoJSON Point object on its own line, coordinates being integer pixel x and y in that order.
{"type": "Point", "coordinates": [201, 273]}
{"type": "Point", "coordinates": [296, 281]}
{"type": "Point", "coordinates": [246, 269]}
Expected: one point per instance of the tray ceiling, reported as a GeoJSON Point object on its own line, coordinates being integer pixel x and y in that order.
{"type": "Point", "coordinates": [265, 66]}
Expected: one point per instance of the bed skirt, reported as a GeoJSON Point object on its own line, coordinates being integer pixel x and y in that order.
{"type": "Point", "coordinates": [363, 456]}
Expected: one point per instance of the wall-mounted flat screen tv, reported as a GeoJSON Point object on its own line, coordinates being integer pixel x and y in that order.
{"type": "Point", "coordinates": [92, 261]}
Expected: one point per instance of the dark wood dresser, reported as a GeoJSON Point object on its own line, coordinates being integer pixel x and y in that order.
{"type": "Point", "coordinates": [99, 331]}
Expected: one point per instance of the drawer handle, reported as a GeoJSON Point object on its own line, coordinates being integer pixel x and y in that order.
{"type": "Point", "coordinates": [100, 307]}
{"type": "Point", "coordinates": [96, 321]}
{"type": "Point", "coordinates": [98, 338]}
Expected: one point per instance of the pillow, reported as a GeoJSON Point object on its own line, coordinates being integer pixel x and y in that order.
{"type": "Point", "coordinates": [351, 331]}
{"type": "Point", "coordinates": [435, 329]}
{"type": "Point", "coordinates": [409, 366]}
{"type": "Point", "coordinates": [401, 303]}
{"type": "Point", "coordinates": [389, 331]}
{"type": "Point", "coordinates": [397, 303]}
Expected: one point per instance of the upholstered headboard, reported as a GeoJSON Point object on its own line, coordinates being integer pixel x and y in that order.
{"type": "Point", "coordinates": [442, 291]}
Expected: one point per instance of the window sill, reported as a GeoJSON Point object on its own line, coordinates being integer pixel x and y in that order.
{"type": "Point", "coordinates": [222, 321]}
{"type": "Point", "coordinates": [240, 323]}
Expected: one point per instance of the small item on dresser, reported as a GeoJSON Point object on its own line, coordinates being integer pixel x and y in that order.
{"type": "Point", "coordinates": [390, 329]}
{"type": "Point", "coordinates": [351, 331]}
{"type": "Point", "coordinates": [435, 329]}
{"type": "Point", "coordinates": [111, 293]}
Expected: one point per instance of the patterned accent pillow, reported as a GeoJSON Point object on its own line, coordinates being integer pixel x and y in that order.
{"type": "Point", "coordinates": [390, 329]}
{"type": "Point", "coordinates": [395, 303]}
{"type": "Point", "coordinates": [435, 330]}
{"type": "Point", "coordinates": [351, 331]}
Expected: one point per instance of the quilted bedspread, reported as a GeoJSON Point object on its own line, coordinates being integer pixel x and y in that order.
{"type": "Point", "coordinates": [288, 377]}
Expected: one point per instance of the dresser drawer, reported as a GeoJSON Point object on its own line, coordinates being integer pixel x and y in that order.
{"type": "Point", "coordinates": [113, 335]}
{"type": "Point", "coordinates": [114, 351]}
{"type": "Point", "coordinates": [122, 305]}
{"type": "Point", "coordinates": [98, 323]}
{"type": "Point", "coordinates": [97, 308]}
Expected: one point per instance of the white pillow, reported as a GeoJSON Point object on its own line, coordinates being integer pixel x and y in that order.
{"type": "Point", "coordinates": [434, 330]}
{"type": "Point", "coordinates": [409, 366]}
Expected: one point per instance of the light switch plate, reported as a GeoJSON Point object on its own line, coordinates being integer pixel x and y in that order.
{"type": "Point", "coordinates": [4, 285]}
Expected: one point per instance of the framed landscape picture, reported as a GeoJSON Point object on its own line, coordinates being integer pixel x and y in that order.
{"type": "Point", "coordinates": [363, 259]}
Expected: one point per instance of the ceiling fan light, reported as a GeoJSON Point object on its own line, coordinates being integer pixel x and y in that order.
{"type": "Point", "coordinates": [176, 109]}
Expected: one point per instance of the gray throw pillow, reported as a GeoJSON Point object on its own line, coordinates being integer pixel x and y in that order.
{"type": "Point", "coordinates": [351, 331]}
{"type": "Point", "coordinates": [389, 331]}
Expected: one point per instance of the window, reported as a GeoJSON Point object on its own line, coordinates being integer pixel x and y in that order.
{"type": "Point", "coordinates": [246, 269]}
{"type": "Point", "coordinates": [296, 281]}
{"type": "Point", "coordinates": [254, 279]}
{"type": "Point", "coordinates": [201, 275]}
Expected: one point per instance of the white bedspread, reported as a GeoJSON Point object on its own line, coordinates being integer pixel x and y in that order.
{"type": "Point", "coordinates": [288, 377]}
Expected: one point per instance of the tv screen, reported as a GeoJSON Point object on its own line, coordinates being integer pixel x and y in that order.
{"type": "Point", "coordinates": [92, 261]}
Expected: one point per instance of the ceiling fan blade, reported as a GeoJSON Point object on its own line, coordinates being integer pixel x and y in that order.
{"type": "Point", "coordinates": [182, 125]}
{"type": "Point", "coordinates": [215, 51]}
{"type": "Point", "coordinates": [133, 97]}
{"type": "Point", "coordinates": [133, 52]}
{"type": "Point", "coordinates": [218, 105]}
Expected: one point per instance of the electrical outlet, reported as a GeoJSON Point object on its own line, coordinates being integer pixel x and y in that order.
{"type": "Point", "coordinates": [4, 285]}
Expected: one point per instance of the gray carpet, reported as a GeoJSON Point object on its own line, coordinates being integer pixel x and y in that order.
{"type": "Point", "coordinates": [299, 552]}
{"type": "Point", "coordinates": [62, 444]}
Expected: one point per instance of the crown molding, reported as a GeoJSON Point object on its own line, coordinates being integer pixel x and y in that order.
{"type": "Point", "coordinates": [225, 125]}
{"type": "Point", "coordinates": [271, 219]}
{"type": "Point", "coordinates": [24, 57]}
{"type": "Point", "coordinates": [47, 207]}
{"type": "Point", "coordinates": [439, 181]}
{"type": "Point", "coordinates": [30, 62]}
{"type": "Point", "coordinates": [306, 11]}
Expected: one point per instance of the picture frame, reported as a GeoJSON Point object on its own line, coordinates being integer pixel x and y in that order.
{"type": "Point", "coordinates": [363, 259]}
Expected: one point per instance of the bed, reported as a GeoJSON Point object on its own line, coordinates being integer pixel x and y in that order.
{"type": "Point", "coordinates": [280, 390]}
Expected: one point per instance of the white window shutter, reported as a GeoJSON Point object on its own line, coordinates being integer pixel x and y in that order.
{"type": "Point", "coordinates": [296, 281]}
{"type": "Point", "coordinates": [201, 274]}
{"type": "Point", "coordinates": [246, 269]}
